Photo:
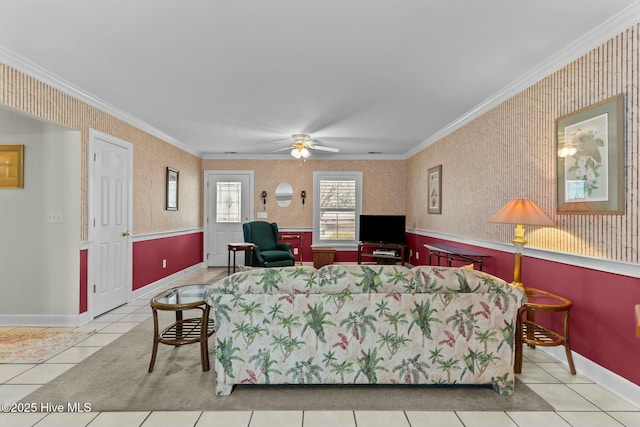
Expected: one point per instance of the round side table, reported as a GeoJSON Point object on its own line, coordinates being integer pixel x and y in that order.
{"type": "Point", "coordinates": [532, 333]}
{"type": "Point", "coordinates": [183, 331]}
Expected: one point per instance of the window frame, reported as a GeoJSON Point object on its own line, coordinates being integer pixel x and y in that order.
{"type": "Point", "coordinates": [319, 176]}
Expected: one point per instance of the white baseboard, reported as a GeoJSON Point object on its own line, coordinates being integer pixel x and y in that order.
{"type": "Point", "coordinates": [63, 320]}
{"type": "Point", "coordinates": [609, 380]}
{"type": "Point", "coordinates": [151, 289]}
{"type": "Point", "coordinates": [73, 320]}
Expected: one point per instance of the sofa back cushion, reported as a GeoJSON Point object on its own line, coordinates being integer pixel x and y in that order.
{"type": "Point", "coordinates": [281, 280]}
{"type": "Point", "coordinates": [330, 279]}
{"type": "Point", "coordinates": [434, 279]}
{"type": "Point", "coordinates": [358, 279]}
{"type": "Point", "coordinates": [365, 279]}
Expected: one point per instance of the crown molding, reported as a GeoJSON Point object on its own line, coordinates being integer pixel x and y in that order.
{"type": "Point", "coordinates": [27, 67]}
{"type": "Point", "coordinates": [238, 156]}
{"type": "Point", "coordinates": [605, 31]}
{"type": "Point", "coordinates": [620, 22]}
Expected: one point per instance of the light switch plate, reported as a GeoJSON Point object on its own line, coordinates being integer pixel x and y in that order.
{"type": "Point", "coordinates": [262, 215]}
{"type": "Point", "coordinates": [53, 217]}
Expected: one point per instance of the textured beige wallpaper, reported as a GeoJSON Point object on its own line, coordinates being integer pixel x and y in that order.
{"type": "Point", "coordinates": [511, 152]}
{"type": "Point", "coordinates": [383, 184]}
{"type": "Point", "coordinates": [151, 155]}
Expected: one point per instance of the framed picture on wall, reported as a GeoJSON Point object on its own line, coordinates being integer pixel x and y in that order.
{"type": "Point", "coordinates": [172, 189]}
{"type": "Point", "coordinates": [11, 166]}
{"type": "Point", "coordinates": [434, 176]}
{"type": "Point", "coordinates": [590, 145]}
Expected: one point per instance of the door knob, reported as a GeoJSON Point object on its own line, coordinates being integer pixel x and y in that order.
{"type": "Point", "coordinates": [125, 233]}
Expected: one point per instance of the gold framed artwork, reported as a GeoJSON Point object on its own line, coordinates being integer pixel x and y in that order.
{"type": "Point", "coordinates": [434, 176]}
{"type": "Point", "coordinates": [590, 145]}
{"type": "Point", "coordinates": [172, 189]}
{"type": "Point", "coordinates": [11, 166]}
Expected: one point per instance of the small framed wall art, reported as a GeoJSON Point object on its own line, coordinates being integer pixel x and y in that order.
{"type": "Point", "coordinates": [590, 145]}
{"type": "Point", "coordinates": [434, 176]}
{"type": "Point", "coordinates": [11, 166]}
{"type": "Point", "coordinates": [172, 189]}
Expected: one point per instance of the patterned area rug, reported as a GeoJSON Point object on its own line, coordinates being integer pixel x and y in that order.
{"type": "Point", "coordinates": [26, 345]}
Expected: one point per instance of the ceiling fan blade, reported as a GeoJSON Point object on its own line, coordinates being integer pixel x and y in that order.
{"type": "Point", "coordinates": [281, 149]}
{"type": "Point", "coordinates": [324, 148]}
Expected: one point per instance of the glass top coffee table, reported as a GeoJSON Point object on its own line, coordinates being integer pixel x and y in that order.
{"type": "Point", "coordinates": [183, 331]}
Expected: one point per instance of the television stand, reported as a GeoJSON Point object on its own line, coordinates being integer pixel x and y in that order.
{"type": "Point", "coordinates": [387, 253]}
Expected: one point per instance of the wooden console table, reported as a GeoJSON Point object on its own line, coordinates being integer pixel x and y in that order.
{"type": "Point", "coordinates": [398, 249]}
{"type": "Point", "coordinates": [452, 253]}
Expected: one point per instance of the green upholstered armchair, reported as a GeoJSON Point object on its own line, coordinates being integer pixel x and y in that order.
{"type": "Point", "coordinates": [267, 252]}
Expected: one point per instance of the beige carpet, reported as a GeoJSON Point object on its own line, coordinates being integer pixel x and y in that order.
{"type": "Point", "coordinates": [116, 379]}
{"type": "Point", "coordinates": [219, 276]}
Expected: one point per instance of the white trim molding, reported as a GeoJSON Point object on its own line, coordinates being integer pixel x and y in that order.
{"type": "Point", "coordinates": [593, 263]}
{"type": "Point", "coordinates": [62, 320]}
{"type": "Point", "coordinates": [599, 35]}
{"type": "Point", "coordinates": [163, 234]}
{"type": "Point", "coordinates": [25, 66]}
{"type": "Point", "coordinates": [609, 380]}
{"type": "Point", "coordinates": [148, 291]}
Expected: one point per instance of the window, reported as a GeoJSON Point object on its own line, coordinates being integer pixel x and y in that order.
{"type": "Point", "coordinates": [228, 203]}
{"type": "Point", "coordinates": [337, 206]}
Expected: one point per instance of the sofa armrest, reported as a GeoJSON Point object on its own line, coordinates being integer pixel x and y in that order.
{"type": "Point", "coordinates": [256, 254]}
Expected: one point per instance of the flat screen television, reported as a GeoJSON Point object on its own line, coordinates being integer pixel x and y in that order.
{"type": "Point", "coordinates": [382, 228]}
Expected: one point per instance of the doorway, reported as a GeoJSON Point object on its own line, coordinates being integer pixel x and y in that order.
{"type": "Point", "coordinates": [228, 204]}
{"type": "Point", "coordinates": [110, 220]}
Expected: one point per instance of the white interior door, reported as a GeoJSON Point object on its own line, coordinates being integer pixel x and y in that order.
{"type": "Point", "coordinates": [229, 204]}
{"type": "Point", "coordinates": [110, 250]}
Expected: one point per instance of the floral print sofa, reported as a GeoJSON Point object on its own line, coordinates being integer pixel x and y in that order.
{"type": "Point", "coordinates": [364, 324]}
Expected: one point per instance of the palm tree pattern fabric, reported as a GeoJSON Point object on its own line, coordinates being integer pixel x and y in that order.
{"type": "Point", "coordinates": [364, 324]}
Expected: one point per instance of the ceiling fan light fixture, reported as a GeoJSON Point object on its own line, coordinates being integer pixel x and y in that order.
{"type": "Point", "coordinates": [296, 153]}
{"type": "Point", "coordinates": [301, 138]}
{"type": "Point", "coordinates": [304, 152]}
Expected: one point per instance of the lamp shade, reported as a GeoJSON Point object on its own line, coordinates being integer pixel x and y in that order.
{"type": "Point", "coordinates": [522, 211]}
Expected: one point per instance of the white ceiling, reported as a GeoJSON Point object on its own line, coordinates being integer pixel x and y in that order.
{"type": "Point", "coordinates": [242, 76]}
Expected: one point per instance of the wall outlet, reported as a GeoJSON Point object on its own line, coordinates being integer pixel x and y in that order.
{"type": "Point", "coordinates": [295, 251]}
{"type": "Point", "coordinates": [410, 253]}
{"type": "Point", "coordinates": [417, 255]}
{"type": "Point", "coordinates": [164, 263]}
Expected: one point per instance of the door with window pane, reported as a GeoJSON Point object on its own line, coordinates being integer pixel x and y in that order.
{"type": "Point", "coordinates": [228, 206]}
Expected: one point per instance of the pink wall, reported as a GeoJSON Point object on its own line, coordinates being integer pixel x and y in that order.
{"type": "Point", "coordinates": [83, 281]}
{"type": "Point", "coordinates": [307, 251]}
{"type": "Point", "coordinates": [602, 323]}
{"type": "Point", "coordinates": [181, 252]}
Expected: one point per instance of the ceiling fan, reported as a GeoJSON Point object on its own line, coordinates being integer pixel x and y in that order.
{"type": "Point", "coordinates": [301, 145]}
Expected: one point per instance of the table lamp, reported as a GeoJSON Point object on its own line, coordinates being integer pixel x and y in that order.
{"type": "Point", "coordinates": [521, 212]}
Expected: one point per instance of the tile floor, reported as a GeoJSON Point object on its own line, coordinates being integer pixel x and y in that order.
{"type": "Point", "coordinates": [577, 401]}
